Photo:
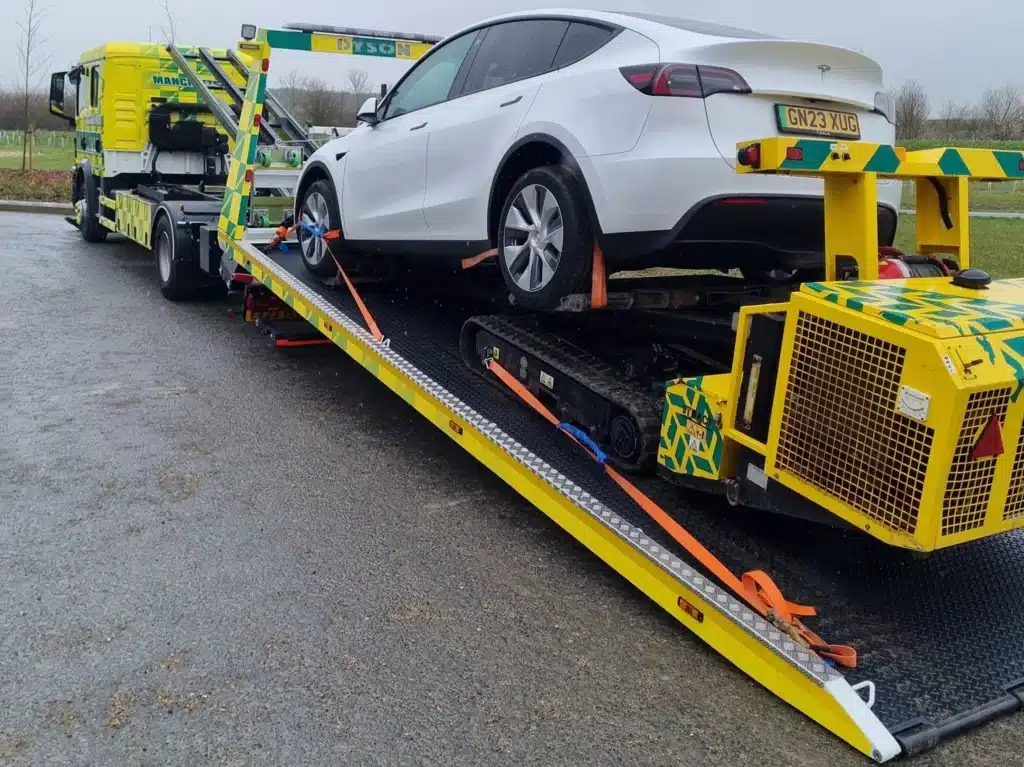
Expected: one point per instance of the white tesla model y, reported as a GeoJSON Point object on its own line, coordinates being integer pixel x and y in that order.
{"type": "Point", "coordinates": [540, 133]}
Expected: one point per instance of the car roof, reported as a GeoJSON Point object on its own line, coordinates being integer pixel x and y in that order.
{"type": "Point", "coordinates": [634, 20]}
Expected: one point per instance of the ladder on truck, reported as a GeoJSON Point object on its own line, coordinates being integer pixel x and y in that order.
{"type": "Point", "coordinates": [279, 127]}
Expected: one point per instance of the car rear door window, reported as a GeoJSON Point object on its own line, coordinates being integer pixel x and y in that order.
{"type": "Point", "coordinates": [514, 51]}
{"type": "Point", "coordinates": [579, 41]}
{"type": "Point", "coordinates": [431, 80]}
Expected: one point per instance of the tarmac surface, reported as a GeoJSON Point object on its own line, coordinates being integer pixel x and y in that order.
{"type": "Point", "coordinates": [215, 552]}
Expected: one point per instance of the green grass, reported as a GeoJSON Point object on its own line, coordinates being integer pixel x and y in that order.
{"type": "Point", "coordinates": [997, 245]}
{"type": "Point", "coordinates": [54, 150]}
{"type": "Point", "coordinates": [994, 196]}
{"type": "Point", "coordinates": [966, 144]}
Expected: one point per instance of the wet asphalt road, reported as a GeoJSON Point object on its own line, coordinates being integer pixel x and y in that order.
{"type": "Point", "coordinates": [216, 552]}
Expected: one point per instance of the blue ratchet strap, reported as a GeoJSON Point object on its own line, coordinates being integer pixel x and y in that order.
{"type": "Point", "coordinates": [316, 231]}
{"type": "Point", "coordinates": [599, 455]}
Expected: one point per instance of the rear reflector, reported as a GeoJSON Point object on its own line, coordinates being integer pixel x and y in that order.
{"type": "Point", "coordinates": [683, 80]}
{"type": "Point", "coordinates": [990, 441]}
{"type": "Point", "coordinates": [794, 153]}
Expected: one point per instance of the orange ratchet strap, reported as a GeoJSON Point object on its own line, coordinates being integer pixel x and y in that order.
{"type": "Point", "coordinates": [756, 587]}
{"type": "Point", "coordinates": [371, 324]}
{"type": "Point", "coordinates": [469, 263]}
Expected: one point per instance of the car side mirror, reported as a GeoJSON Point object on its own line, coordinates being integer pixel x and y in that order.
{"type": "Point", "coordinates": [368, 112]}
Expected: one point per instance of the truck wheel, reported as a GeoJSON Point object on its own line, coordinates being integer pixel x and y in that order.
{"type": "Point", "coordinates": [86, 199]}
{"type": "Point", "coordinates": [545, 243]}
{"type": "Point", "coordinates": [176, 278]}
{"type": "Point", "coordinates": [319, 209]}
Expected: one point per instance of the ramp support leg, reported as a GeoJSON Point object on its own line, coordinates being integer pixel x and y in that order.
{"type": "Point", "coordinates": [851, 223]}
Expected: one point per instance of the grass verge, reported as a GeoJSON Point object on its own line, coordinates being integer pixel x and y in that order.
{"type": "Point", "coordinates": [1002, 197]}
{"type": "Point", "coordinates": [36, 185]}
{"type": "Point", "coordinates": [997, 245]}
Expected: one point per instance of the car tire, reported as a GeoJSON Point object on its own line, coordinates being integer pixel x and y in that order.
{"type": "Point", "coordinates": [319, 206]}
{"type": "Point", "coordinates": [177, 280]}
{"type": "Point", "coordinates": [545, 242]}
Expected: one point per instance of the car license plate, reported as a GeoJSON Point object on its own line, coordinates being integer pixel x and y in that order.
{"type": "Point", "coordinates": [810, 121]}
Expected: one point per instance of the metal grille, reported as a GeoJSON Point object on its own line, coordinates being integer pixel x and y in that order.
{"type": "Point", "coordinates": [969, 485]}
{"type": "Point", "coordinates": [840, 431]}
{"type": "Point", "coordinates": [1014, 507]}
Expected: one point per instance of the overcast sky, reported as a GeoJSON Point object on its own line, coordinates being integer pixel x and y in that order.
{"type": "Point", "coordinates": [955, 49]}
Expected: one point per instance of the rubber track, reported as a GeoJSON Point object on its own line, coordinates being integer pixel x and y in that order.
{"type": "Point", "coordinates": [594, 374]}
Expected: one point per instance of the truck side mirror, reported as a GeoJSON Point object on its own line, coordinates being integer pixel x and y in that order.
{"type": "Point", "coordinates": [57, 96]}
{"type": "Point", "coordinates": [368, 112]}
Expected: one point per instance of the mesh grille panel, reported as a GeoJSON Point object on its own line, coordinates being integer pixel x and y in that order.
{"type": "Point", "coordinates": [969, 486]}
{"type": "Point", "coordinates": [1014, 508]}
{"type": "Point", "coordinates": [840, 431]}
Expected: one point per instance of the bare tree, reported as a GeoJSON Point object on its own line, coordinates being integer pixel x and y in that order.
{"type": "Point", "coordinates": [290, 90]}
{"type": "Point", "coordinates": [31, 67]}
{"type": "Point", "coordinates": [956, 119]}
{"type": "Point", "coordinates": [315, 101]}
{"type": "Point", "coordinates": [169, 29]}
{"type": "Point", "coordinates": [358, 81]}
{"type": "Point", "coordinates": [1002, 112]}
{"type": "Point", "coordinates": [912, 110]}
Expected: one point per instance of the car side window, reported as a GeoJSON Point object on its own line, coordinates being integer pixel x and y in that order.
{"type": "Point", "coordinates": [431, 80]}
{"type": "Point", "coordinates": [515, 50]}
{"type": "Point", "coordinates": [580, 41]}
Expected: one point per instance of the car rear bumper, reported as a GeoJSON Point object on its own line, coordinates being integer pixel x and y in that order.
{"type": "Point", "coordinates": [648, 205]}
{"type": "Point", "coordinates": [736, 231]}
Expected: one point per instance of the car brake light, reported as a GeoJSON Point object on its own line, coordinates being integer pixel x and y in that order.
{"type": "Point", "coordinates": [685, 80]}
{"type": "Point", "coordinates": [720, 80]}
{"type": "Point", "coordinates": [677, 80]}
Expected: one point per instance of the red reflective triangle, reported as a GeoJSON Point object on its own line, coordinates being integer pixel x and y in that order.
{"type": "Point", "coordinates": [990, 441]}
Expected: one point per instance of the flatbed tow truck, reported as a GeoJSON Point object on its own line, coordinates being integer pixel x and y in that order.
{"type": "Point", "coordinates": [880, 417]}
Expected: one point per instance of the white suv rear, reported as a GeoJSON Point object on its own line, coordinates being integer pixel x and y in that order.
{"type": "Point", "coordinates": [540, 133]}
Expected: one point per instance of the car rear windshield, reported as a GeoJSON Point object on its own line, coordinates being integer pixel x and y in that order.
{"type": "Point", "coordinates": [699, 27]}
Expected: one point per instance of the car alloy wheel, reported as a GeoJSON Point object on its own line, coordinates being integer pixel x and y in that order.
{"type": "Point", "coordinates": [314, 214]}
{"type": "Point", "coordinates": [532, 246]}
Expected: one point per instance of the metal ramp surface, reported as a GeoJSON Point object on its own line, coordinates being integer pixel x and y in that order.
{"type": "Point", "coordinates": [940, 639]}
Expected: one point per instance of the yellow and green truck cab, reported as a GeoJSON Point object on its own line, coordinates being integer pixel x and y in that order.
{"type": "Point", "coordinates": [133, 108]}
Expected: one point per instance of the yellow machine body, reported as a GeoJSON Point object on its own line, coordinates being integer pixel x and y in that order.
{"type": "Point", "coordinates": [885, 402]}
{"type": "Point", "coordinates": [692, 441]}
{"type": "Point", "coordinates": [896, 405]}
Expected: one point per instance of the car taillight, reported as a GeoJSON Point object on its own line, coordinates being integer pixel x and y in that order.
{"type": "Point", "coordinates": [685, 80]}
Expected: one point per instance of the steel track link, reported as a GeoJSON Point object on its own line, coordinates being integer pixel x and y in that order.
{"type": "Point", "coordinates": [598, 377]}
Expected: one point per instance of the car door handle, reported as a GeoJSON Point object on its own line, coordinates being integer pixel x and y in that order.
{"type": "Point", "coordinates": [516, 100]}
{"type": "Point", "coordinates": [417, 127]}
